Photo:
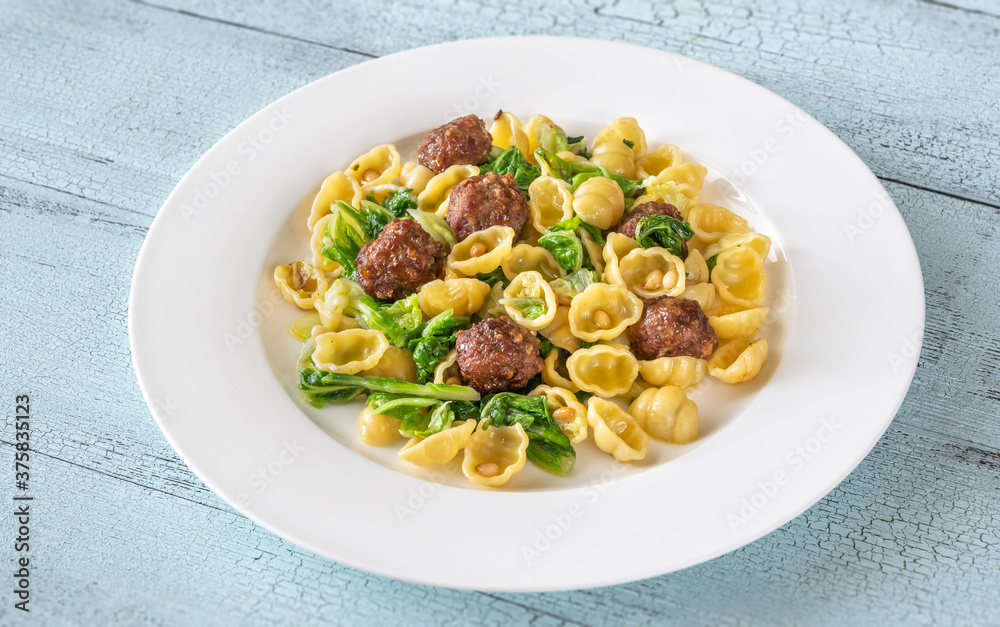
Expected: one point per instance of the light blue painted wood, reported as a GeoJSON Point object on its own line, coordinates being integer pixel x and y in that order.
{"type": "Point", "coordinates": [102, 110]}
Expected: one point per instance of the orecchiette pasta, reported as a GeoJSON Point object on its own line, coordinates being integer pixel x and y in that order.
{"type": "Point", "coordinates": [555, 373]}
{"type": "Point", "coordinates": [711, 222]}
{"type": "Point", "coordinates": [507, 131]}
{"type": "Point", "coordinates": [550, 202]}
{"type": "Point", "coordinates": [349, 352]}
{"type": "Point", "coordinates": [612, 151]}
{"type": "Point", "coordinates": [300, 284]}
{"type": "Point", "coordinates": [739, 277]}
{"type": "Point", "coordinates": [377, 166]}
{"type": "Point", "coordinates": [558, 331]}
{"type": "Point", "coordinates": [566, 410]}
{"type": "Point", "coordinates": [464, 296]}
{"type": "Point", "coordinates": [415, 176]}
{"type": "Point", "coordinates": [530, 301]}
{"type": "Point", "coordinates": [616, 247]}
{"type": "Point", "coordinates": [696, 268]}
{"type": "Point", "coordinates": [759, 242]}
{"type": "Point", "coordinates": [659, 160]}
{"type": "Point", "coordinates": [525, 257]}
{"type": "Point", "coordinates": [704, 293]}
{"type": "Point", "coordinates": [440, 448]}
{"type": "Point", "coordinates": [436, 191]}
{"type": "Point", "coordinates": [603, 312]}
{"type": "Point", "coordinates": [652, 272]}
{"type": "Point", "coordinates": [599, 201]}
{"type": "Point", "coordinates": [448, 371]}
{"type": "Point", "coordinates": [683, 371]}
{"type": "Point", "coordinates": [738, 360]}
{"type": "Point", "coordinates": [337, 186]}
{"type": "Point", "coordinates": [604, 370]}
{"type": "Point", "coordinates": [737, 323]}
{"type": "Point", "coordinates": [494, 454]}
{"type": "Point", "coordinates": [667, 414]}
{"type": "Point", "coordinates": [616, 432]}
{"type": "Point", "coordinates": [395, 363]}
{"type": "Point", "coordinates": [378, 429]}
{"type": "Point", "coordinates": [316, 244]}
{"type": "Point", "coordinates": [691, 174]}
{"type": "Point", "coordinates": [335, 302]}
{"type": "Point", "coordinates": [482, 252]}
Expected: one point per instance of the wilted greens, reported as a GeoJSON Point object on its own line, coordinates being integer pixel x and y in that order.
{"type": "Point", "coordinates": [421, 416]}
{"type": "Point", "coordinates": [398, 202]}
{"type": "Point", "coordinates": [399, 321]}
{"type": "Point", "coordinates": [547, 446]}
{"type": "Point", "coordinates": [663, 231]}
{"type": "Point", "coordinates": [530, 308]}
{"type": "Point", "coordinates": [436, 339]}
{"type": "Point", "coordinates": [494, 277]}
{"type": "Point", "coordinates": [577, 172]}
{"type": "Point", "coordinates": [574, 283]}
{"type": "Point", "coordinates": [563, 240]}
{"type": "Point", "coordinates": [349, 229]}
{"type": "Point", "coordinates": [511, 161]}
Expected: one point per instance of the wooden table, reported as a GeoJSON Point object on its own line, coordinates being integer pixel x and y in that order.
{"type": "Point", "coordinates": [103, 107]}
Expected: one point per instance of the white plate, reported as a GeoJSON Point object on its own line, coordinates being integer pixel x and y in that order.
{"type": "Point", "coordinates": [208, 337]}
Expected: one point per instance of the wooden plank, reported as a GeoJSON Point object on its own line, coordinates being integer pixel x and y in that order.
{"type": "Point", "coordinates": [908, 87]}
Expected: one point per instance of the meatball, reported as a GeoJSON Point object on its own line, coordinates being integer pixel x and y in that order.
{"type": "Point", "coordinates": [630, 222]}
{"type": "Point", "coordinates": [498, 355]}
{"type": "Point", "coordinates": [461, 141]}
{"type": "Point", "coordinates": [480, 202]}
{"type": "Point", "coordinates": [671, 327]}
{"type": "Point", "coordinates": [400, 260]}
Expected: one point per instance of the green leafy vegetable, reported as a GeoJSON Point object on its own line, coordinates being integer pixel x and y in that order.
{"type": "Point", "coordinates": [320, 387]}
{"type": "Point", "coordinates": [579, 171]}
{"type": "Point", "coordinates": [400, 321]}
{"type": "Point", "coordinates": [629, 143]}
{"type": "Point", "coordinates": [547, 446]}
{"type": "Point", "coordinates": [564, 241]}
{"type": "Point", "coordinates": [710, 262]}
{"type": "Point", "coordinates": [435, 341]}
{"type": "Point", "coordinates": [582, 396]}
{"type": "Point", "coordinates": [530, 308]}
{"type": "Point", "coordinates": [492, 307]}
{"type": "Point", "coordinates": [348, 231]}
{"type": "Point", "coordinates": [574, 283]}
{"type": "Point", "coordinates": [435, 227]}
{"type": "Point", "coordinates": [565, 246]}
{"type": "Point", "coordinates": [398, 202]}
{"type": "Point", "coordinates": [663, 231]}
{"type": "Point", "coordinates": [553, 138]}
{"type": "Point", "coordinates": [669, 193]}
{"type": "Point", "coordinates": [511, 161]}
{"type": "Point", "coordinates": [420, 416]}
{"type": "Point", "coordinates": [494, 277]}
{"type": "Point", "coordinates": [544, 347]}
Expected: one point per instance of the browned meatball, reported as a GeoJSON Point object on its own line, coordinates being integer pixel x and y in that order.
{"type": "Point", "coordinates": [401, 259]}
{"type": "Point", "coordinates": [480, 202]}
{"type": "Point", "coordinates": [671, 327]}
{"type": "Point", "coordinates": [461, 141]}
{"type": "Point", "coordinates": [630, 222]}
{"type": "Point", "coordinates": [498, 355]}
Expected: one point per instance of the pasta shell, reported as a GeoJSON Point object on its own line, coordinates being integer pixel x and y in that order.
{"type": "Point", "coordinates": [566, 410]}
{"type": "Point", "coordinates": [300, 283]}
{"type": "Point", "coordinates": [378, 429]}
{"type": "Point", "coordinates": [667, 414]}
{"type": "Point", "coordinates": [739, 360]}
{"type": "Point", "coordinates": [492, 245]}
{"type": "Point", "coordinates": [440, 448]}
{"type": "Point", "coordinates": [682, 372]}
{"type": "Point", "coordinates": [616, 432]}
{"type": "Point", "coordinates": [349, 352]}
{"type": "Point", "coordinates": [494, 454]}
{"type": "Point", "coordinates": [603, 312]}
{"type": "Point", "coordinates": [604, 370]}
